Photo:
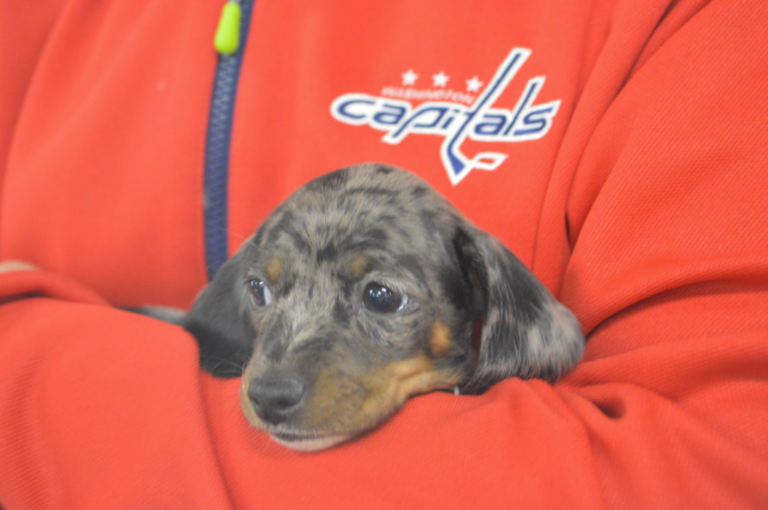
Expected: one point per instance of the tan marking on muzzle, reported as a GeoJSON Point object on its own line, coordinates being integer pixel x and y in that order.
{"type": "Point", "coordinates": [405, 379]}
{"type": "Point", "coordinates": [440, 343]}
{"type": "Point", "coordinates": [245, 402]}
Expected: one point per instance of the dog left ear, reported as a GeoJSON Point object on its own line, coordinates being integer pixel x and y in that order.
{"type": "Point", "coordinates": [526, 332]}
{"type": "Point", "coordinates": [220, 322]}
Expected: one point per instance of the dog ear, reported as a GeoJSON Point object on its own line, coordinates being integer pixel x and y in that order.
{"type": "Point", "coordinates": [220, 322]}
{"type": "Point", "coordinates": [525, 331]}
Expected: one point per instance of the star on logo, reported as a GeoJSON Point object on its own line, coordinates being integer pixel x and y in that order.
{"type": "Point", "coordinates": [409, 77]}
{"type": "Point", "coordinates": [474, 85]}
{"type": "Point", "coordinates": [440, 79]}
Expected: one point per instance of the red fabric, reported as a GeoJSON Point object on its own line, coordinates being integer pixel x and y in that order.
{"type": "Point", "coordinates": [644, 208]}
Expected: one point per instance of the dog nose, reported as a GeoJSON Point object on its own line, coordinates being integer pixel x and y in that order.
{"type": "Point", "coordinates": [276, 400]}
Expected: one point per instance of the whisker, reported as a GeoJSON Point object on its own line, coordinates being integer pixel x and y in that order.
{"type": "Point", "coordinates": [236, 234]}
{"type": "Point", "coordinates": [220, 362]}
{"type": "Point", "coordinates": [235, 406]}
{"type": "Point", "coordinates": [236, 395]}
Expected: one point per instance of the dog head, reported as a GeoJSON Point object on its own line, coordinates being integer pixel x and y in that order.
{"type": "Point", "coordinates": [366, 287]}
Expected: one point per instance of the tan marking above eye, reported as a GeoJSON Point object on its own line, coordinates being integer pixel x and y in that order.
{"type": "Point", "coordinates": [361, 265]}
{"type": "Point", "coordinates": [274, 269]}
{"type": "Point", "coordinates": [440, 343]}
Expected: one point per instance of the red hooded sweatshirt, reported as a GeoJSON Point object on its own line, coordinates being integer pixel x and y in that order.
{"type": "Point", "coordinates": [618, 147]}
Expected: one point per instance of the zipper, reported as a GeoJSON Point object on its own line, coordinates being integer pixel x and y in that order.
{"type": "Point", "coordinates": [229, 42]}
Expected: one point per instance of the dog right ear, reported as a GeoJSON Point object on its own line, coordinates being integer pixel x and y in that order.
{"type": "Point", "coordinates": [220, 322]}
{"type": "Point", "coordinates": [525, 331]}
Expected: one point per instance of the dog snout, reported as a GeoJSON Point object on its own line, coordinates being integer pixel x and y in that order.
{"type": "Point", "coordinates": [276, 400]}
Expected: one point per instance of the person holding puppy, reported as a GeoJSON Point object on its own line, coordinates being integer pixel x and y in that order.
{"type": "Point", "coordinates": [617, 147]}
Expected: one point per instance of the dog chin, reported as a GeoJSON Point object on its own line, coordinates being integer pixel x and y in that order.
{"type": "Point", "coordinates": [308, 443]}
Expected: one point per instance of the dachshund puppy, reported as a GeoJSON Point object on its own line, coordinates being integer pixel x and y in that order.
{"type": "Point", "coordinates": [363, 288]}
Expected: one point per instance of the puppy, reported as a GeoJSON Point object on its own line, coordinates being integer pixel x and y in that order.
{"type": "Point", "coordinates": [363, 288]}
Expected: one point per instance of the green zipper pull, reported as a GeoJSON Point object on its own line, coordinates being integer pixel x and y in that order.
{"type": "Point", "coordinates": [227, 38]}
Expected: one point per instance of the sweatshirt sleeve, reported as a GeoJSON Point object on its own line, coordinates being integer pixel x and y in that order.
{"type": "Point", "coordinates": [668, 217]}
{"type": "Point", "coordinates": [24, 28]}
{"type": "Point", "coordinates": [667, 270]}
{"type": "Point", "coordinates": [101, 408]}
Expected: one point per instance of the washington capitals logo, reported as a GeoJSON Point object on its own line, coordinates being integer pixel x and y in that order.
{"type": "Point", "coordinates": [455, 115]}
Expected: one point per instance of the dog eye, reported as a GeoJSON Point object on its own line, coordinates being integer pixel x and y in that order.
{"type": "Point", "coordinates": [260, 292]}
{"type": "Point", "coordinates": [381, 299]}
